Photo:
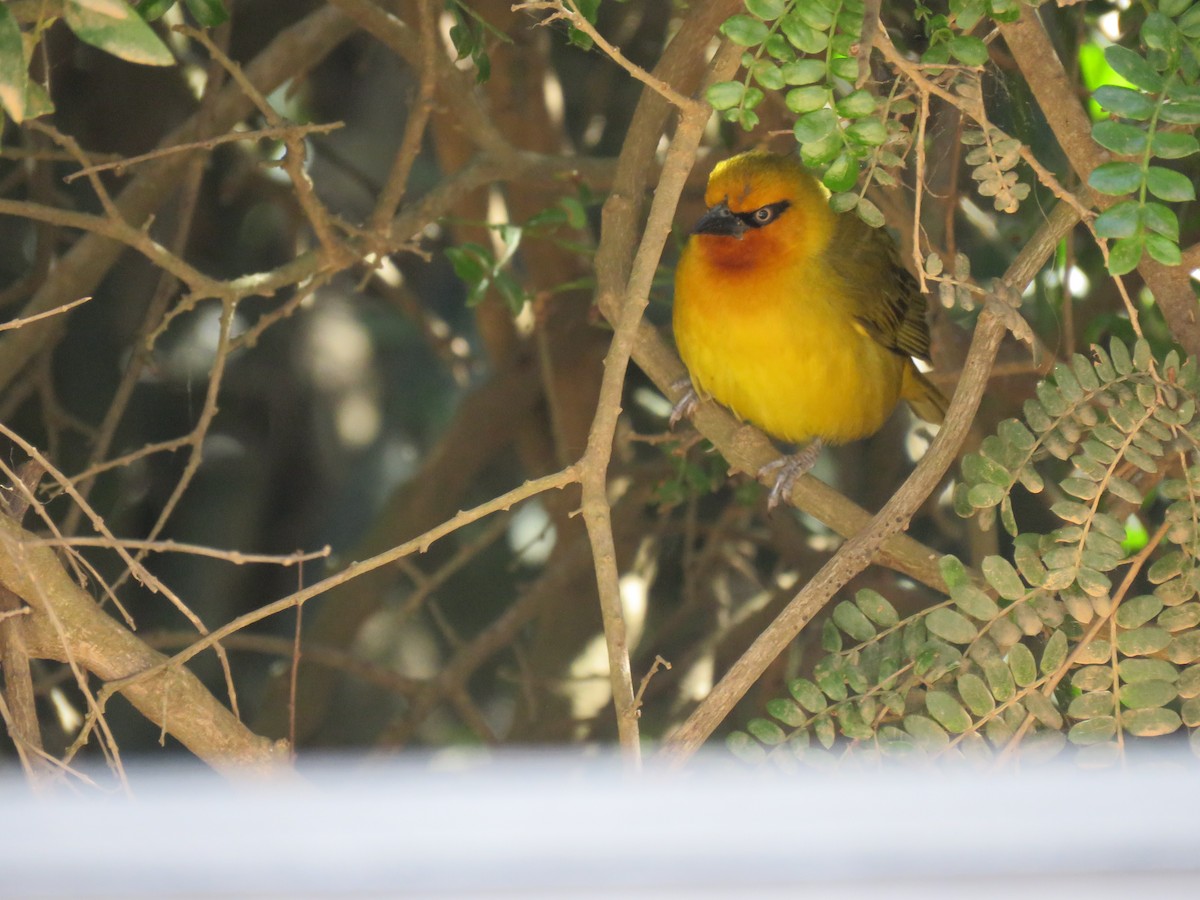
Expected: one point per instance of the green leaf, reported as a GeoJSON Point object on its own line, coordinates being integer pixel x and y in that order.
{"type": "Point", "coordinates": [1055, 653]}
{"type": "Point", "coordinates": [815, 126]}
{"type": "Point", "coordinates": [953, 572]}
{"type": "Point", "coordinates": [152, 10]}
{"type": "Point", "coordinates": [1137, 611]}
{"type": "Point", "coordinates": [745, 31]}
{"type": "Point", "coordinates": [1094, 583]}
{"type": "Point", "coordinates": [999, 679]}
{"type": "Point", "coordinates": [843, 202]}
{"type": "Point", "coordinates": [1093, 731]}
{"type": "Point", "coordinates": [1148, 694]}
{"type": "Point", "coordinates": [1151, 722]}
{"type": "Point", "coordinates": [831, 638]}
{"type": "Point", "coordinates": [1184, 648]}
{"type": "Point", "coordinates": [807, 694]}
{"type": "Point", "coordinates": [1092, 704]}
{"type": "Point", "coordinates": [1143, 641]}
{"type": "Point", "coordinates": [1134, 670]}
{"type": "Point", "coordinates": [1124, 255]}
{"type": "Point", "coordinates": [1173, 144]}
{"type": "Point", "coordinates": [1040, 707]}
{"type": "Point", "coordinates": [877, 608]}
{"type": "Point", "coordinates": [725, 94]}
{"type": "Point", "coordinates": [1093, 678]}
{"type": "Point", "coordinates": [1163, 250]}
{"type": "Point", "coordinates": [1003, 577]}
{"type": "Point", "coordinates": [851, 620]}
{"type": "Point", "coordinates": [115, 27]}
{"type": "Point", "coordinates": [1167, 184]}
{"type": "Point", "coordinates": [951, 626]}
{"type": "Point", "coordinates": [975, 694]}
{"type": "Point", "coordinates": [766, 731]}
{"type": "Point", "coordinates": [975, 603]}
{"type": "Point", "coordinates": [1119, 221]}
{"type": "Point", "coordinates": [1189, 22]}
{"type": "Point", "coordinates": [1133, 68]}
{"type": "Point", "coordinates": [970, 51]}
{"type": "Point", "coordinates": [1190, 712]}
{"type": "Point", "coordinates": [857, 104]}
{"type": "Point", "coordinates": [846, 68]}
{"type": "Point", "coordinates": [1160, 33]}
{"type": "Point", "coordinates": [984, 496]}
{"type": "Point", "coordinates": [1182, 113]}
{"type": "Point", "coordinates": [208, 13]}
{"type": "Point", "coordinates": [751, 99]}
{"type": "Point", "coordinates": [472, 263]}
{"type": "Point", "coordinates": [746, 748]}
{"type": "Point", "coordinates": [580, 39]}
{"type": "Point", "coordinates": [829, 677]}
{"type": "Point", "coordinates": [1160, 219]}
{"type": "Point", "coordinates": [927, 733]}
{"type": "Point", "coordinates": [14, 78]}
{"type": "Point", "coordinates": [802, 36]}
{"type": "Point", "coordinates": [1125, 102]}
{"type": "Point", "coordinates": [803, 71]}
{"type": "Point", "coordinates": [807, 100]}
{"type": "Point", "coordinates": [823, 727]}
{"type": "Point", "coordinates": [1022, 665]}
{"type": "Point", "coordinates": [869, 212]}
{"type": "Point", "coordinates": [1119, 137]}
{"type": "Point", "coordinates": [1179, 618]}
{"type": "Point", "coordinates": [819, 153]}
{"type": "Point", "coordinates": [767, 10]}
{"type": "Point", "coordinates": [841, 174]}
{"type": "Point", "coordinates": [1116, 178]}
{"type": "Point", "coordinates": [767, 74]}
{"type": "Point", "coordinates": [868, 132]}
{"type": "Point", "coordinates": [947, 711]}
{"type": "Point", "coordinates": [787, 712]}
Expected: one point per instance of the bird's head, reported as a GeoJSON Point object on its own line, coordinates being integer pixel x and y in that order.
{"type": "Point", "coordinates": [763, 208]}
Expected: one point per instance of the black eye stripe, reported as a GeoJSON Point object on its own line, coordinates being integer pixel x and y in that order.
{"type": "Point", "coordinates": [776, 209]}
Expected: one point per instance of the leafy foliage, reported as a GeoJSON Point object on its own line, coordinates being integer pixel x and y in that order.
{"type": "Point", "coordinates": [1162, 94]}
{"type": "Point", "coordinates": [113, 26]}
{"type": "Point", "coordinates": [1082, 640]}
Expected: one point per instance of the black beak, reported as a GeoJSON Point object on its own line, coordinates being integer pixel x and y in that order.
{"type": "Point", "coordinates": [719, 220]}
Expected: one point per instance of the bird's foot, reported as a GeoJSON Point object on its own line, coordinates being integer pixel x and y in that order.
{"type": "Point", "coordinates": [788, 470]}
{"type": "Point", "coordinates": [687, 402]}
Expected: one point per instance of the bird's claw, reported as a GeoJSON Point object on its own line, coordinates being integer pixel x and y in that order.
{"type": "Point", "coordinates": [788, 470]}
{"type": "Point", "coordinates": [687, 403]}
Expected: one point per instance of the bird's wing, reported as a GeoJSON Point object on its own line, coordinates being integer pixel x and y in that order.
{"type": "Point", "coordinates": [886, 299]}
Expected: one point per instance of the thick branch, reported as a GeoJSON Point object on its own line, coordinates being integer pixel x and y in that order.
{"type": "Point", "coordinates": [68, 625]}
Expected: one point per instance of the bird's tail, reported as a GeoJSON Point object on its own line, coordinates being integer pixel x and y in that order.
{"type": "Point", "coordinates": [923, 396]}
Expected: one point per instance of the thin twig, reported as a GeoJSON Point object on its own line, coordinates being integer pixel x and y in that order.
{"type": "Point", "coordinates": [565, 10]}
{"type": "Point", "coordinates": [418, 544]}
{"type": "Point", "coordinates": [270, 133]}
{"type": "Point", "coordinates": [337, 254]}
{"type": "Point", "coordinates": [58, 310]}
{"type": "Point", "coordinates": [414, 128]}
{"type": "Point", "coordinates": [237, 557]}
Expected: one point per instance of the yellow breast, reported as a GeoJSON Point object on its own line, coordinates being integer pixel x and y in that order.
{"type": "Point", "coordinates": [772, 343]}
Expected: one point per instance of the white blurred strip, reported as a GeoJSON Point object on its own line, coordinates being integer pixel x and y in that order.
{"type": "Point", "coordinates": [546, 825]}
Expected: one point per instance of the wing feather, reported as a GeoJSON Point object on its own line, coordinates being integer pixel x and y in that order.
{"type": "Point", "coordinates": [887, 300]}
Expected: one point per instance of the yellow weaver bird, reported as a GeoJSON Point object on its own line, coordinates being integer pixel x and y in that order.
{"type": "Point", "coordinates": [800, 320]}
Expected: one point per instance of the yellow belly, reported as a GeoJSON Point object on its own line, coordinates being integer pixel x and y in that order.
{"type": "Point", "coordinates": [791, 362]}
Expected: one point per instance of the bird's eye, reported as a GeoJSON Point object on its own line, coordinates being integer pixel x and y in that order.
{"type": "Point", "coordinates": [763, 215]}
